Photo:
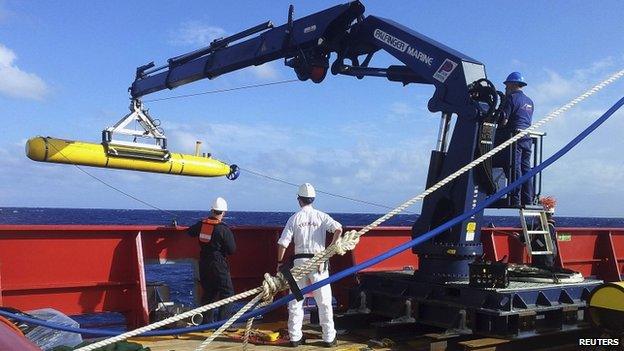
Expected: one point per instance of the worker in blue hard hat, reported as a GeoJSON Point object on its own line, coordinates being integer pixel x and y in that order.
{"type": "Point", "coordinates": [516, 115]}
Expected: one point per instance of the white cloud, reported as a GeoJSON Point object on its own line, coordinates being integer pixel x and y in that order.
{"type": "Point", "coordinates": [557, 87]}
{"type": "Point", "coordinates": [193, 33]}
{"type": "Point", "coordinates": [554, 88]}
{"type": "Point", "coordinates": [265, 71]}
{"type": "Point", "coordinates": [232, 136]}
{"type": "Point", "coordinates": [598, 67]}
{"type": "Point", "coordinates": [585, 180]}
{"type": "Point", "coordinates": [517, 63]}
{"type": "Point", "coordinates": [183, 141]}
{"type": "Point", "coordinates": [363, 170]}
{"type": "Point", "coordinates": [17, 83]}
{"type": "Point", "coordinates": [401, 109]}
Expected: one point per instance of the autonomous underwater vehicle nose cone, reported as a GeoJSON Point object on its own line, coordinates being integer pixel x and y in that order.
{"type": "Point", "coordinates": [153, 160]}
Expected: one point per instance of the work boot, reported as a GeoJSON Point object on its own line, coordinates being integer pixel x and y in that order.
{"type": "Point", "coordinates": [301, 341]}
{"type": "Point", "coordinates": [330, 343]}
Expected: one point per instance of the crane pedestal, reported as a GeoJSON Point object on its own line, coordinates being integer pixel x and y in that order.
{"type": "Point", "coordinates": [517, 311]}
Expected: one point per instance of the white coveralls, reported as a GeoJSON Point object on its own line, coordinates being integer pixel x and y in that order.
{"type": "Point", "coordinates": [308, 227]}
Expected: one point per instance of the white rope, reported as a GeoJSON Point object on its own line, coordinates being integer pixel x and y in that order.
{"type": "Point", "coordinates": [273, 284]}
{"type": "Point", "coordinates": [227, 324]}
{"type": "Point", "coordinates": [250, 323]}
{"type": "Point", "coordinates": [347, 242]}
{"type": "Point", "coordinates": [247, 333]}
{"type": "Point", "coordinates": [170, 320]}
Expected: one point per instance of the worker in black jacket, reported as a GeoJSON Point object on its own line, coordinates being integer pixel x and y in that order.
{"type": "Point", "coordinates": [217, 242]}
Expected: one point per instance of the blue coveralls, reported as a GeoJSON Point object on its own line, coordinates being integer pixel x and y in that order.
{"type": "Point", "coordinates": [518, 110]}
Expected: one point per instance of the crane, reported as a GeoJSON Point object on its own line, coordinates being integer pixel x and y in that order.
{"type": "Point", "coordinates": [343, 33]}
{"type": "Point", "coordinates": [342, 40]}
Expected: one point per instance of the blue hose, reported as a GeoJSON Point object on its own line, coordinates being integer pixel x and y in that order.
{"type": "Point", "coordinates": [352, 270]}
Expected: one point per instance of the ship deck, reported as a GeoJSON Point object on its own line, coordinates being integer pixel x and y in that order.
{"type": "Point", "coordinates": [402, 338]}
{"type": "Point", "coordinates": [190, 342]}
{"type": "Point", "coordinates": [231, 341]}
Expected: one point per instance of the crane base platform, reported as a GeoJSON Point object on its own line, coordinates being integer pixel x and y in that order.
{"type": "Point", "coordinates": [520, 310]}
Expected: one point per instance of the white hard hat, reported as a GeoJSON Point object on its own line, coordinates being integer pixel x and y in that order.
{"type": "Point", "coordinates": [219, 204]}
{"type": "Point", "coordinates": [306, 190]}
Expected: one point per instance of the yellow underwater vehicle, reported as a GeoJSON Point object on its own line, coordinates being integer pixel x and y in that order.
{"type": "Point", "coordinates": [129, 155]}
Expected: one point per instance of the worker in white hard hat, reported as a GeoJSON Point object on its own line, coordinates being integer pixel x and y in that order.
{"type": "Point", "coordinates": [216, 241]}
{"type": "Point", "coordinates": [308, 228]}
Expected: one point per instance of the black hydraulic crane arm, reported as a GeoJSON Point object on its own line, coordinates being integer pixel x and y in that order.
{"type": "Point", "coordinates": [306, 45]}
{"type": "Point", "coordinates": [424, 61]}
{"type": "Point", "coordinates": [313, 33]}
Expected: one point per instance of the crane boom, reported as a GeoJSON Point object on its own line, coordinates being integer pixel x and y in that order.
{"type": "Point", "coordinates": [342, 31]}
{"type": "Point", "coordinates": [285, 41]}
{"type": "Point", "coordinates": [306, 45]}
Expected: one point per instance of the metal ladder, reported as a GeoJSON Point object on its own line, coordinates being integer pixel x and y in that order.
{"type": "Point", "coordinates": [527, 217]}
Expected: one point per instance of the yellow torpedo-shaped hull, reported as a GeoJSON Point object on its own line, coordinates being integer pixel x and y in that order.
{"type": "Point", "coordinates": [46, 149]}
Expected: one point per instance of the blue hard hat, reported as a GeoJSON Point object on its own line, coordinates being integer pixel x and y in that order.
{"type": "Point", "coordinates": [515, 77]}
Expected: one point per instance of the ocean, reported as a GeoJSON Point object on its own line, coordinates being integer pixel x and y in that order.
{"type": "Point", "coordinates": [36, 215]}
{"type": "Point", "coordinates": [179, 277]}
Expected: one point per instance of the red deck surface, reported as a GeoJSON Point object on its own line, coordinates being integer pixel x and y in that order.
{"type": "Point", "coordinates": [94, 268]}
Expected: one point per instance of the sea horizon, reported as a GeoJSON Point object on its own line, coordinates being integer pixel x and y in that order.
{"type": "Point", "coordinates": [107, 216]}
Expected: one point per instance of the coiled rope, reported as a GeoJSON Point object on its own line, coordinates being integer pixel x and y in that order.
{"type": "Point", "coordinates": [272, 284]}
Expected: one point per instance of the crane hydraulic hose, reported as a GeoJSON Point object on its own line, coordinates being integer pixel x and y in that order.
{"type": "Point", "coordinates": [352, 270]}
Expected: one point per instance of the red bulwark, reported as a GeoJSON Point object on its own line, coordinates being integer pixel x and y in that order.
{"type": "Point", "coordinates": [94, 268]}
{"type": "Point", "coordinates": [75, 269]}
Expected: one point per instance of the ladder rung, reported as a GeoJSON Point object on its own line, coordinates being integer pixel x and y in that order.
{"type": "Point", "coordinates": [535, 232]}
{"type": "Point", "coordinates": [541, 253]}
{"type": "Point", "coordinates": [541, 232]}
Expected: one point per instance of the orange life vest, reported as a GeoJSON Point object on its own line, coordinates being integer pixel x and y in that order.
{"type": "Point", "coordinates": [205, 232]}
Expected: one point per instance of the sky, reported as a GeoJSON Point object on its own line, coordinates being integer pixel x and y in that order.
{"type": "Point", "coordinates": [65, 69]}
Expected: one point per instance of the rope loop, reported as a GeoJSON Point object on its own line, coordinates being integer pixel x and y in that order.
{"type": "Point", "coordinates": [271, 285]}
{"type": "Point", "coordinates": [347, 242]}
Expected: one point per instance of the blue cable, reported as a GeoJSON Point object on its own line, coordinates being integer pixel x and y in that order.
{"type": "Point", "coordinates": [352, 270]}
